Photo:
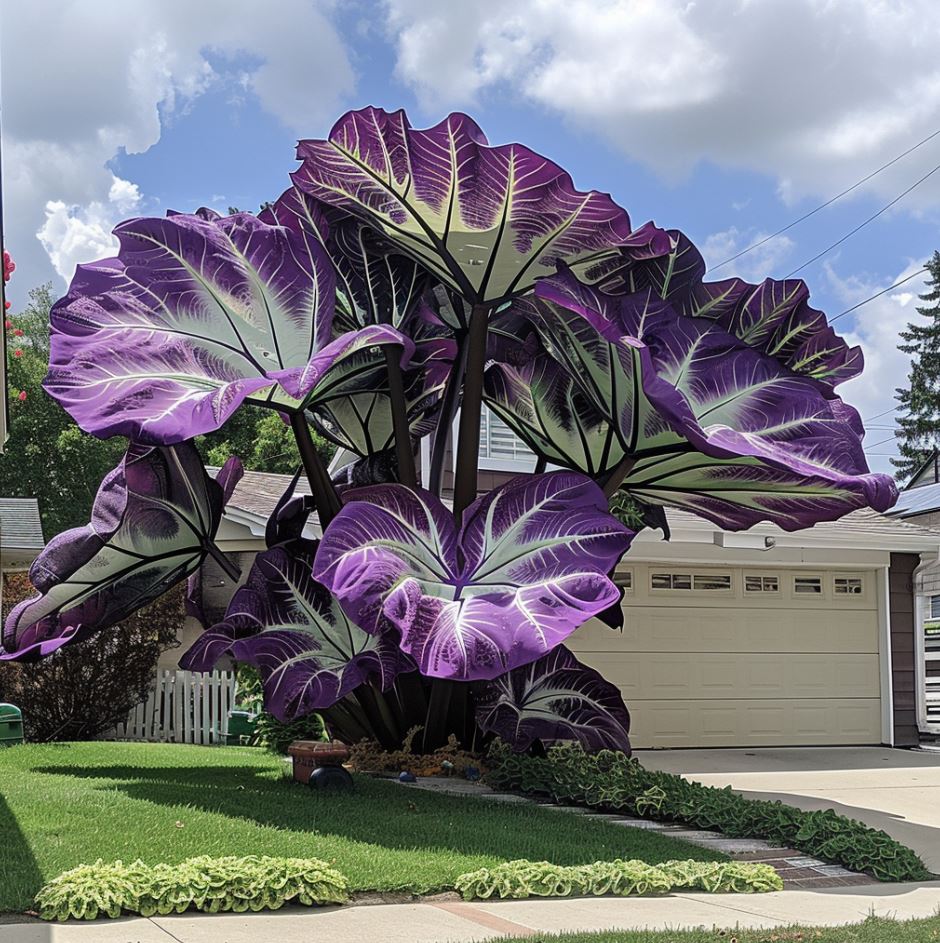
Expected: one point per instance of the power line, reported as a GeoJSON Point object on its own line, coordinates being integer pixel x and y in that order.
{"type": "Point", "coordinates": [875, 445]}
{"type": "Point", "coordinates": [828, 202]}
{"type": "Point", "coordinates": [862, 225]}
{"type": "Point", "coordinates": [893, 408]}
{"type": "Point", "coordinates": [878, 294]}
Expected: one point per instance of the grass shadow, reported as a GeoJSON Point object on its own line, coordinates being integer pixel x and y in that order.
{"type": "Point", "coordinates": [19, 871]}
{"type": "Point", "coordinates": [385, 814]}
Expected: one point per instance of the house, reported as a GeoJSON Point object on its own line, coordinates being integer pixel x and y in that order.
{"type": "Point", "coordinates": [919, 503]}
{"type": "Point", "coordinates": [760, 638]}
{"type": "Point", "coordinates": [20, 533]}
{"type": "Point", "coordinates": [20, 538]}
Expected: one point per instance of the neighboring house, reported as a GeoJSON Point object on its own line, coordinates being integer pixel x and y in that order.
{"type": "Point", "coordinates": [20, 533]}
{"type": "Point", "coordinates": [919, 503]}
{"type": "Point", "coordinates": [760, 638]}
{"type": "Point", "coordinates": [20, 536]}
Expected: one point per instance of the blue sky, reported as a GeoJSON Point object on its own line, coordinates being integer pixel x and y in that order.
{"type": "Point", "coordinates": [694, 115]}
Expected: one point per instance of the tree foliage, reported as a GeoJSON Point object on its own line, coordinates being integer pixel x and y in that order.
{"type": "Point", "coordinates": [918, 433]}
{"type": "Point", "coordinates": [82, 691]}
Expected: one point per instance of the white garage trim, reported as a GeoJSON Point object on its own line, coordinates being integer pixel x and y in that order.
{"type": "Point", "coordinates": [887, 676]}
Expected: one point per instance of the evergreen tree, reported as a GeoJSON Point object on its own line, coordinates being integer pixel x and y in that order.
{"type": "Point", "coordinates": [918, 433]}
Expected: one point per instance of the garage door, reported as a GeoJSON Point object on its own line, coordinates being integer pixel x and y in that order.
{"type": "Point", "coordinates": [743, 656]}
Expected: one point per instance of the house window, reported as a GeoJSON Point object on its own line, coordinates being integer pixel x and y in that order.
{"type": "Point", "coordinates": [701, 582]}
{"type": "Point", "coordinates": [807, 585]}
{"type": "Point", "coordinates": [624, 580]}
{"type": "Point", "coordinates": [714, 582]}
{"type": "Point", "coordinates": [848, 585]}
{"type": "Point", "coordinates": [499, 443]}
{"type": "Point", "coordinates": [935, 607]}
{"type": "Point", "coordinates": [761, 584]}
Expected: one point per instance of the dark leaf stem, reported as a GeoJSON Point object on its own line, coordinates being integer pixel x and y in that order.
{"type": "Point", "coordinates": [616, 477]}
{"type": "Point", "coordinates": [232, 571]}
{"type": "Point", "coordinates": [324, 494]}
{"type": "Point", "coordinates": [445, 419]}
{"type": "Point", "coordinates": [374, 715]}
{"type": "Point", "coordinates": [404, 452]}
{"type": "Point", "coordinates": [468, 435]}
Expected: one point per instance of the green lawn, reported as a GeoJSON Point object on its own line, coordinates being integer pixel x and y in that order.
{"type": "Point", "coordinates": [871, 931]}
{"type": "Point", "coordinates": [66, 804]}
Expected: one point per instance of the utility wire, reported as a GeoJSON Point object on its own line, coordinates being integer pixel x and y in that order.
{"type": "Point", "coordinates": [885, 413]}
{"type": "Point", "coordinates": [828, 202]}
{"type": "Point", "coordinates": [878, 294]}
{"type": "Point", "coordinates": [862, 225]}
{"type": "Point", "coordinates": [875, 445]}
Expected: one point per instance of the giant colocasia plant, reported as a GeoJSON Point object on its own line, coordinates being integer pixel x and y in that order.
{"type": "Point", "coordinates": [407, 276]}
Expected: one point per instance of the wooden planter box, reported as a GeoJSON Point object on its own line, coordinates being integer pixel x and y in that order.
{"type": "Point", "coordinates": [307, 755]}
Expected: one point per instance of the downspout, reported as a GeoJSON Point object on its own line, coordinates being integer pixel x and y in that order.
{"type": "Point", "coordinates": [886, 658]}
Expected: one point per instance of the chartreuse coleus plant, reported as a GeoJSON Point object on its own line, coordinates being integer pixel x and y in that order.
{"type": "Point", "coordinates": [406, 275]}
{"type": "Point", "coordinates": [610, 781]}
{"type": "Point", "coordinates": [213, 885]}
{"type": "Point", "coordinates": [519, 879]}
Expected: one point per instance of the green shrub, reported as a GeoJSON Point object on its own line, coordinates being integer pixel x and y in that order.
{"type": "Point", "coordinates": [614, 782]}
{"type": "Point", "coordinates": [519, 879]}
{"type": "Point", "coordinates": [273, 734]}
{"type": "Point", "coordinates": [208, 884]}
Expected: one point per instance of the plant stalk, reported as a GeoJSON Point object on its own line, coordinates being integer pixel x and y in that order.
{"type": "Point", "coordinates": [468, 436]}
{"type": "Point", "coordinates": [445, 418]}
{"type": "Point", "coordinates": [324, 494]}
{"type": "Point", "coordinates": [436, 727]}
{"type": "Point", "coordinates": [404, 452]}
{"type": "Point", "coordinates": [616, 477]}
{"type": "Point", "coordinates": [231, 571]}
{"type": "Point", "coordinates": [379, 727]}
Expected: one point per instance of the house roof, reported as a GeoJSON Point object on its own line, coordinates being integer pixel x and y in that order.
{"type": "Point", "coordinates": [862, 529]}
{"type": "Point", "coordinates": [919, 500]}
{"type": "Point", "coordinates": [257, 493]}
{"type": "Point", "coordinates": [20, 525]}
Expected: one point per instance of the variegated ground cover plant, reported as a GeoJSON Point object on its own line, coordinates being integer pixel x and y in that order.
{"type": "Point", "coordinates": [405, 278]}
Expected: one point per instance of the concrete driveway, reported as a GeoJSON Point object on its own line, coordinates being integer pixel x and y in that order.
{"type": "Point", "coordinates": [897, 791]}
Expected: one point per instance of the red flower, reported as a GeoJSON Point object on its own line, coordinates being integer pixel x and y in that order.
{"type": "Point", "coordinates": [8, 324]}
{"type": "Point", "coordinates": [8, 266]}
{"type": "Point", "coordinates": [22, 395]}
{"type": "Point", "coordinates": [17, 353]}
{"type": "Point", "coordinates": [17, 333]}
{"type": "Point", "coordinates": [6, 305]}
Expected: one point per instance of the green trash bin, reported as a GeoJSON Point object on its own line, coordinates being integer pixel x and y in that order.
{"type": "Point", "coordinates": [11, 725]}
{"type": "Point", "coordinates": [241, 726]}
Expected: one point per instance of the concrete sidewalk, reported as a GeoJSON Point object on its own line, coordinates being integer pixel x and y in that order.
{"type": "Point", "coordinates": [447, 921]}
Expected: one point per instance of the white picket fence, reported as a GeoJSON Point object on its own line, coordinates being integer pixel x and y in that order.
{"type": "Point", "coordinates": [182, 707]}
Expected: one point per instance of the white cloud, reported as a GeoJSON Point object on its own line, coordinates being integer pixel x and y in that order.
{"type": "Point", "coordinates": [814, 92]}
{"type": "Point", "coordinates": [73, 234]}
{"type": "Point", "coordinates": [763, 261]}
{"type": "Point", "coordinates": [876, 328]}
{"type": "Point", "coordinates": [124, 195]}
{"type": "Point", "coordinates": [82, 81]}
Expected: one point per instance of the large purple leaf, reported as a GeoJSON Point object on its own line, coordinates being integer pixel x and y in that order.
{"type": "Point", "coordinates": [197, 314]}
{"type": "Point", "coordinates": [713, 426]}
{"type": "Point", "coordinates": [357, 414]}
{"type": "Point", "coordinates": [553, 700]}
{"type": "Point", "coordinates": [527, 567]}
{"type": "Point", "coordinates": [774, 317]}
{"type": "Point", "coordinates": [153, 523]}
{"type": "Point", "coordinates": [485, 220]}
{"type": "Point", "coordinates": [309, 654]}
{"type": "Point", "coordinates": [374, 284]}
